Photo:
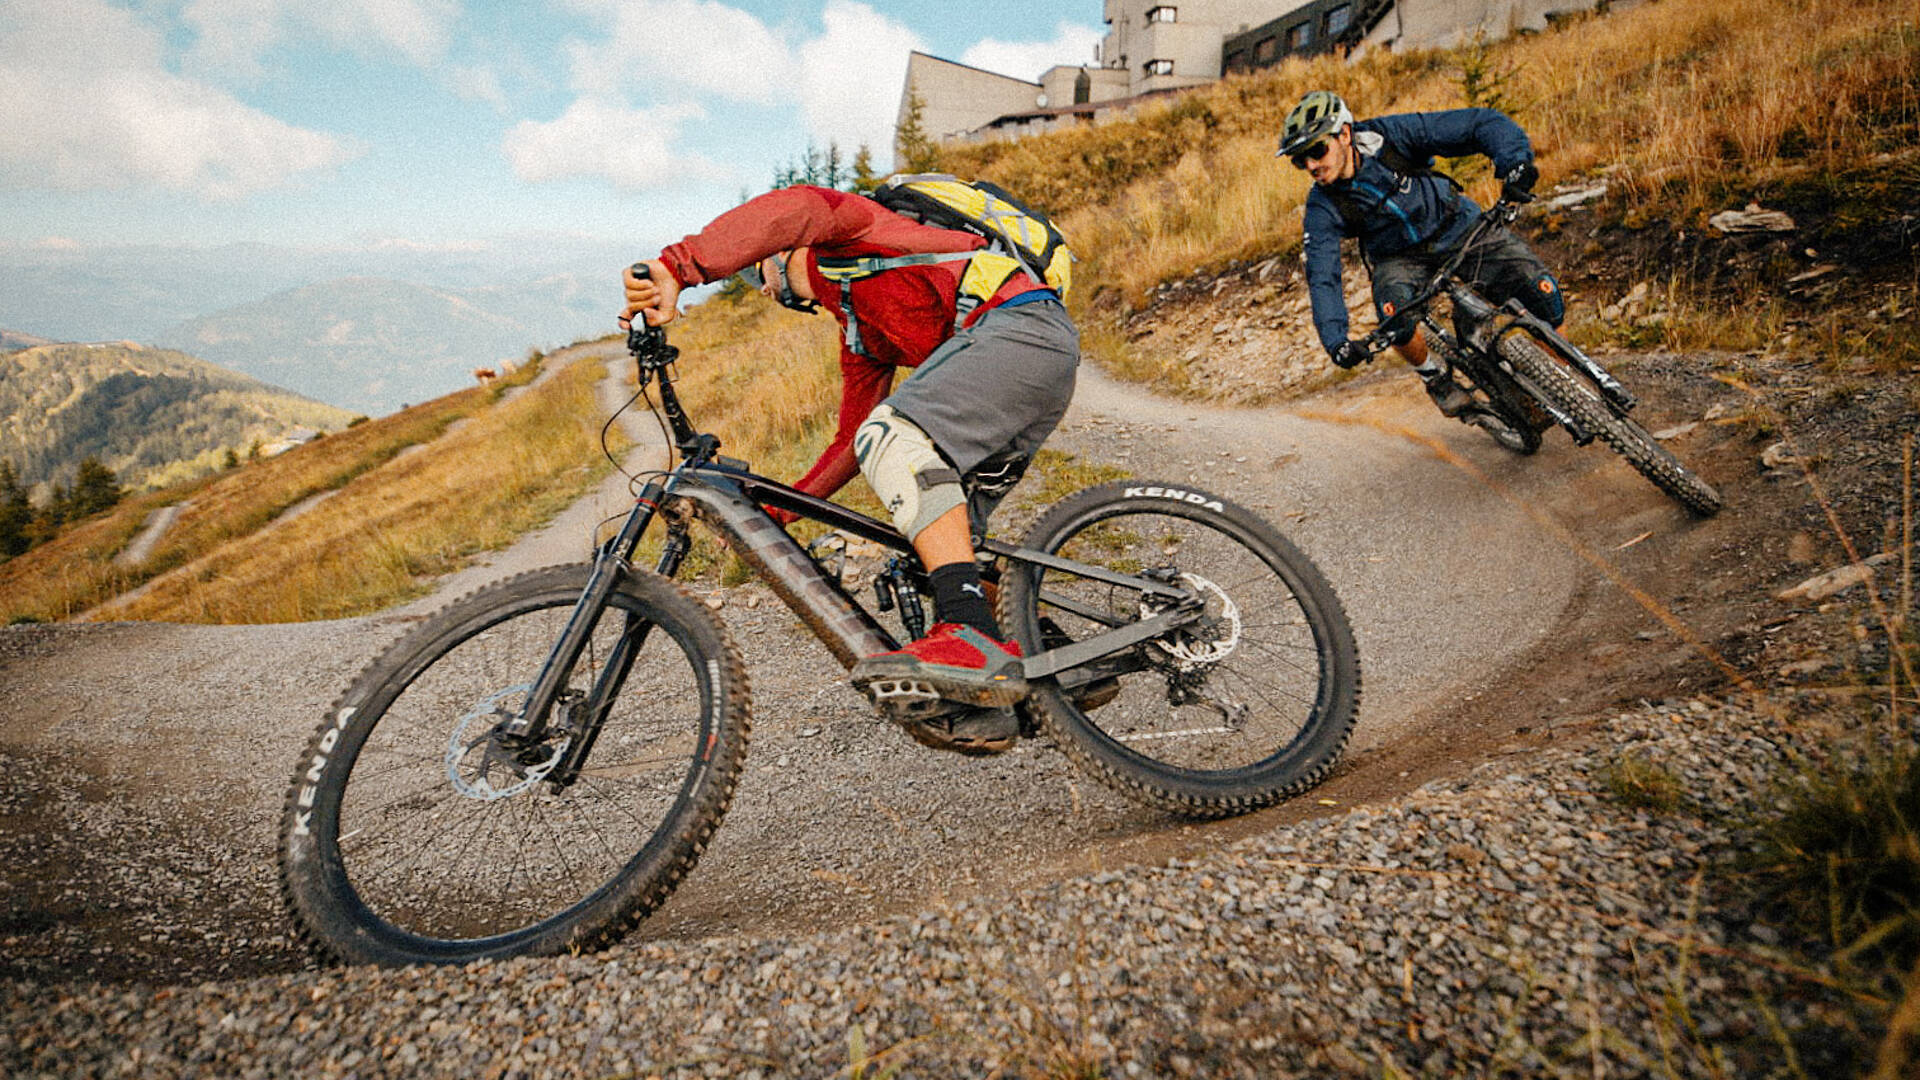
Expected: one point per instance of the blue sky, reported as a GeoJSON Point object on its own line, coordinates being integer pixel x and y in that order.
{"type": "Point", "coordinates": [450, 124]}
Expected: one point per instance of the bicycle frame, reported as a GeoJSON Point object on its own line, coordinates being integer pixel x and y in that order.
{"type": "Point", "coordinates": [1487, 324]}
{"type": "Point", "coordinates": [727, 497]}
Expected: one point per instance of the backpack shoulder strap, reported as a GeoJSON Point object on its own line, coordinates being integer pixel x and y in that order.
{"type": "Point", "coordinates": [1393, 158]}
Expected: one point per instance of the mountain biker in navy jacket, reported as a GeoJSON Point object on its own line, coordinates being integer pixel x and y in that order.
{"type": "Point", "coordinates": [1374, 180]}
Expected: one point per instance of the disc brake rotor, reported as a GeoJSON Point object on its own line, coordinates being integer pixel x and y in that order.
{"type": "Point", "coordinates": [473, 762]}
{"type": "Point", "coordinates": [1190, 651]}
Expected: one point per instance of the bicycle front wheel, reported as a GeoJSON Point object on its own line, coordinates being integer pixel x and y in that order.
{"type": "Point", "coordinates": [1247, 705]}
{"type": "Point", "coordinates": [1628, 438]}
{"type": "Point", "coordinates": [417, 831]}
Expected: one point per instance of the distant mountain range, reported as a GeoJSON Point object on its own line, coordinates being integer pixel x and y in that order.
{"type": "Point", "coordinates": [354, 328]}
{"type": "Point", "coordinates": [151, 415]}
{"type": "Point", "coordinates": [12, 342]}
{"type": "Point", "coordinates": [374, 345]}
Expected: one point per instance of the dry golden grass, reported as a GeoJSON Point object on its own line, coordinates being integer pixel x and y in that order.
{"type": "Point", "coordinates": [767, 382]}
{"type": "Point", "coordinates": [75, 571]}
{"type": "Point", "coordinates": [764, 379]}
{"type": "Point", "coordinates": [1690, 107]}
{"type": "Point", "coordinates": [397, 520]}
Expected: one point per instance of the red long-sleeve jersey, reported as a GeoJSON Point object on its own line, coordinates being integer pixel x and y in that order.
{"type": "Point", "coordinates": [904, 313]}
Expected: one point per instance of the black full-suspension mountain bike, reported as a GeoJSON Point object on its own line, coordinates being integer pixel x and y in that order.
{"type": "Point", "coordinates": [535, 768]}
{"type": "Point", "coordinates": [1524, 377]}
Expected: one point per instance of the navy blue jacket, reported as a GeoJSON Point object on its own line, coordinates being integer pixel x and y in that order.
{"type": "Point", "coordinates": [1399, 212]}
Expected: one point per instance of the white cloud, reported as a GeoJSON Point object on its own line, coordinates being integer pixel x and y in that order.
{"type": "Point", "coordinates": [1029, 60]}
{"type": "Point", "coordinates": [477, 83]}
{"type": "Point", "coordinates": [657, 47]}
{"type": "Point", "coordinates": [234, 35]}
{"type": "Point", "coordinates": [632, 148]}
{"type": "Point", "coordinates": [87, 103]}
{"type": "Point", "coordinates": [843, 82]}
{"type": "Point", "coordinates": [851, 75]}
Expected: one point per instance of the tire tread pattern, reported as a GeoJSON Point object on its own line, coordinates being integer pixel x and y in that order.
{"type": "Point", "coordinates": [1052, 713]}
{"type": "Point", "coordinates": [1627, 437]}
{"type": "Point", "coordinates": [641, 898]}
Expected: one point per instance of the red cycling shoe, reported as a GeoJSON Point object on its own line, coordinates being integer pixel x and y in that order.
{"type": "Point", "coordinates": [954, 662]}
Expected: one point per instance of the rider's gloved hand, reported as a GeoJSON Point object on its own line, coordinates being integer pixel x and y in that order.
{"type": "Point", "coordinates": [1517, 187]}
{"type": "Point", "coordinates": [1348, 354]}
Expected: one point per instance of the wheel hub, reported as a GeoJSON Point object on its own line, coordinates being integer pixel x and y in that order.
{"type": "Point", "coordinates": [1209, 640]}
{"type": "Point", "coordinates": [483, 765]}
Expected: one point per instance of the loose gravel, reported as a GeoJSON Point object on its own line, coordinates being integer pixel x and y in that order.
{"type": "Point", "coordinates": [979, 916]}
{"type": "Point", "coordinates": [1516, 920]}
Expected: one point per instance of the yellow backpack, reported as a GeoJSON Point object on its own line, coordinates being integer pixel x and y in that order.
{"type": "Point", "coordinates": [1019, 238]}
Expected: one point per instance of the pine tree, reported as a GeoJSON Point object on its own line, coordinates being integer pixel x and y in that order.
{"type": "Point", "coordinates": [913, 151]}
{"type": "Point", "coordinates": [95, 488]}
{"type": "Point", "coordinates": [833, 173]}
{"type": "Point", "coordinates": [16, 514]}
{"type": "Point", "coordinates": [865, 180]}
{"type": "Point", "coordinates": [820, 168]}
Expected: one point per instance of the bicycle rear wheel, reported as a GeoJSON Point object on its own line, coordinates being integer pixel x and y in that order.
{"type": "Point", "coordinates": [1248, 705]}
{"type": "Point", "coordinates": [415, 833]}
{"type": "Point", "coordinates": [1628, 438]}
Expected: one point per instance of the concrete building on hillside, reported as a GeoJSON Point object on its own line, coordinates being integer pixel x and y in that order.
{"type": "Point", "coordinates": [1154, 47]}
{"type": "Point", "coordinates": [958, 102]}
{"type": "Point", "coordinates": [1348, 25]}
{"type": "Point", "coordinates": [1167, 44]}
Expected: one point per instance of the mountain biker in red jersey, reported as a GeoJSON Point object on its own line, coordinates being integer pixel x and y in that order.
{"type": "Point", "coordinates": [987, 388]}
{"type": "Point", "coordinates": [1374, 181]}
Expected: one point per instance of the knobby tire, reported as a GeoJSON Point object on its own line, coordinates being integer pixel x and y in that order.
{"type": "Point", "coordinates": [1249, 705]}
{"type": "Point", "coordinates": [401, 847]}
{"type": "Point", "coordinates": [1628, 438]}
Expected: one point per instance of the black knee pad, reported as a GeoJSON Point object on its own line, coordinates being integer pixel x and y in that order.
{"type": "Point", "coordinates": [1542, 297]}
{"type": "Point", "coordinates": [1389, 300]}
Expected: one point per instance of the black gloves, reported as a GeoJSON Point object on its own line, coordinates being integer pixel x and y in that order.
{"type": "Point", "coordinates": [1518, 185]}
{"type": "Point", "coordinates": [1348, 353]}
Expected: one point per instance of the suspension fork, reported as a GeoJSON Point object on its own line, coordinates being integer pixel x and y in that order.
{"type": "Point", "coordinates": [609, 566]}
{"type": "Point", "coordinates": [1485, 326]}
{"type": "Point", "coordinates": [1617, 395]}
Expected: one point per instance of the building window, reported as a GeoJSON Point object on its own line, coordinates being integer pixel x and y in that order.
{"type": "Point", "coordinates": [1159, 67]}
{"type": "Point", "coordinates": [1337, 20]}
{"type": "Point", "coordinates": [1162, 14]}
{"type": "Point", "coordinates": [1265, 52]}
{"type": "Point", "coordinates": [1299, 37]}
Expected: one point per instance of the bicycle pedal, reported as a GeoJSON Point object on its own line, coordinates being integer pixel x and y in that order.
{"type": "Point", "coordinates": [902, 694]}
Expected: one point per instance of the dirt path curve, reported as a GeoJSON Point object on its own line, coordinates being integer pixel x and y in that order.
{"type": "Point", "coordinates": [146, 763]}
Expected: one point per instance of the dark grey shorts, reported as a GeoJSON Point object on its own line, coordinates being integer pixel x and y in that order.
{"type": "Point", "coordinates": [1501, 268]}
{"type": "Point", "coordinates": [996, 389]}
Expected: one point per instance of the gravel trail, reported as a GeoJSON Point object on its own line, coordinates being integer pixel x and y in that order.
{"type": "Point", "coordinates": [864, 893]}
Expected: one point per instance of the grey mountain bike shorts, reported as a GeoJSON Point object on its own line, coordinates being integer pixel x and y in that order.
{"type": "Point", "coordinates": [993, 392]}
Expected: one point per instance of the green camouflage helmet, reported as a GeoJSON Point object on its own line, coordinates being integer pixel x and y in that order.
{"type": "Point", "coordinates": [1320, 113]}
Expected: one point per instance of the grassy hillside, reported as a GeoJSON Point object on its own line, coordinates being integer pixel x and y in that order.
{"type": "Point", "coordinates": [153, 416]}
{"type": "Point", "coordinates": [1683, 109]}
{"type": "Point", "coordinates": [390, 521]}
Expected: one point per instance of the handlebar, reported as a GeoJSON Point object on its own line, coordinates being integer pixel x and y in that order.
{"type": "Point", "coordinates": [645, 341]}
{"type": "Point", "coordinates": [1502, 212]}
